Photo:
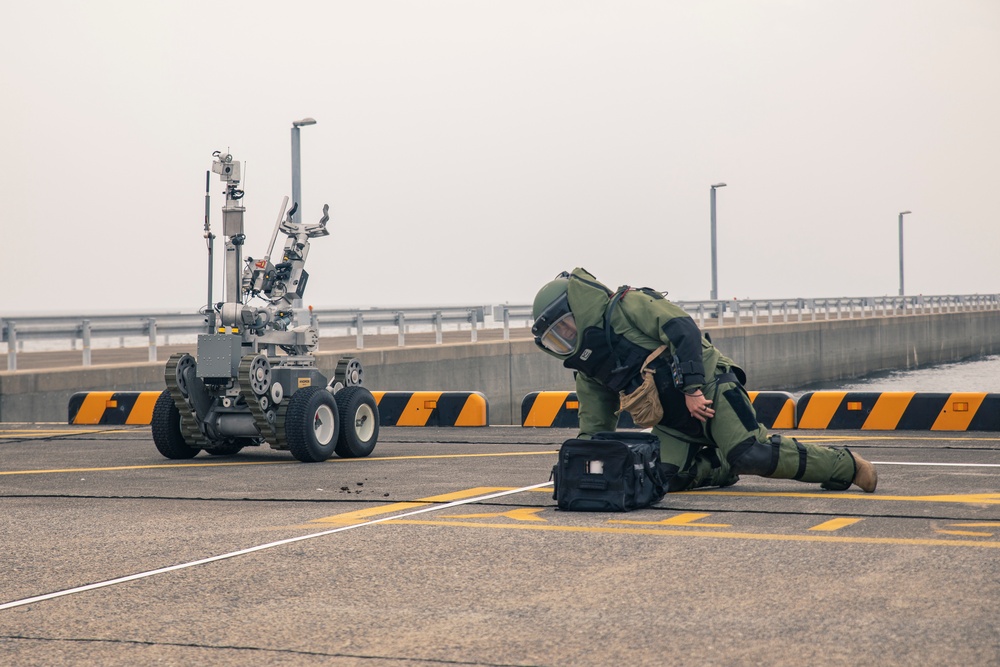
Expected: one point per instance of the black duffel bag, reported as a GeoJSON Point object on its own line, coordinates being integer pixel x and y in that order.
{"type": "Point", "coordinates": [612, 472]}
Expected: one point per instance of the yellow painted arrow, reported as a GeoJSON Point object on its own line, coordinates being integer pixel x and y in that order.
{"type": "Point", "coordinates": [520, 514]}
{"type": "Point", "coordinates": [685, 519]}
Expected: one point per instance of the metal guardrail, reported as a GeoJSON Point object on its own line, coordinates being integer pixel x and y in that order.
{"type": "Point", "coordinates": [738, 311]}
{"type": "Point", "coordinates": [15, 330]}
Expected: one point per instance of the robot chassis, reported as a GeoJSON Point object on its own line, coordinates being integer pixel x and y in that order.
{"type": "Point", "coordinates": [240, 391]}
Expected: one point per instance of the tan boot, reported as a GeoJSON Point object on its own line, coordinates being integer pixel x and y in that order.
{"type": "Point", "coordinates": [865, 475]}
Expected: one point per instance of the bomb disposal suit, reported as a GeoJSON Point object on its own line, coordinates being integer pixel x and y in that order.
{"type": "Point", "coordinates": [709, 434]}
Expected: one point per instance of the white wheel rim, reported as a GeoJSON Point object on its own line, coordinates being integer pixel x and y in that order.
{"type": "Point", "coordinates": [364, 423]}
{"type": "Point", "coordinates": [323, 424]}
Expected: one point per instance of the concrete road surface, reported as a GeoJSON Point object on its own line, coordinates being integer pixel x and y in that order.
{"type": "Point", "coordinates": [113, 555]}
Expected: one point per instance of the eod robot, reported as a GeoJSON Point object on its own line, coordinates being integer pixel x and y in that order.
{"type": "Point", "coordinates": [255, 378]}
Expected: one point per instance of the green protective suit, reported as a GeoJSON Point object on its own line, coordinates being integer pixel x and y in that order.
{"type": "Point", "coordinates": [607, 360]}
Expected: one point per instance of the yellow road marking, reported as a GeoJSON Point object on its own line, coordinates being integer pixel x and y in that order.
{"type": "Point", "coordinates": [261, 463]}
{"type": "Point", "coordinates": [48, 433]}
{"type": "Point", "coordinates": [143, 467]}
{"type": "Point", "coordinates": [975, 498]}
{"type": "Point", "coordinates": [686, 519]}
{"type": "Point", "coordinates": [360, 516]}
{"type": "Point", "coordinates": [659, 532]}
{"type": "Point", "coordinates": [835, 524]}
{"type": "Point", "coordinates": [912, 435]}
{"type": "Point", "coordinates": [527, 519]}
{"type": "Point", "coordinates": [974, 524]}
{"type": "Point", "coordinates": [971, 524]}
{"type": "Point", "coordinates": [519, 514]}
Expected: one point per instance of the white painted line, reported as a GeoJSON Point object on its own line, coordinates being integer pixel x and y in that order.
{"type": "Point", "coordinates": [261, 547]}
{"type": "Point", "coordinates": [954, 465]}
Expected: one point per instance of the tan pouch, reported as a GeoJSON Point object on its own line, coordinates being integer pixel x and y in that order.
{"type": "Point", "coordinates": [644, 403]}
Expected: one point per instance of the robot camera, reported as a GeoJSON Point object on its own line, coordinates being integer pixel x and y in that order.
{"type": "Point", "coordinates": [225, 166]}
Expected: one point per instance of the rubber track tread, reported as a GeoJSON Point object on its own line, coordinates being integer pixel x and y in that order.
{"type": "Point", "coordinates": [274, 433]}
{"type": "Point", "coordinates": [189, 419]}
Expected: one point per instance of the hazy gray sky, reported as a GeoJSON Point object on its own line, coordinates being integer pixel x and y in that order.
{"type": "Point", "coordinates": [471, 150]}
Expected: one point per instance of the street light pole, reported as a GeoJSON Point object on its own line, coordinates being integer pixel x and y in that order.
{"type": "Point", "coordinates": [901, 251]}
{"type": "Point", "coordinates": [297, 167]}
{"type": "Point", "coordinates": [715, 263]}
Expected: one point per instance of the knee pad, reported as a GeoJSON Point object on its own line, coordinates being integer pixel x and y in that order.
{"type": "Point", "coordinates": [753, 457]}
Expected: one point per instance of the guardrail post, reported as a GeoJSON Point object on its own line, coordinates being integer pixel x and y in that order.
{"type": "Point", "coordinates": [472, 320]}
{"type": "Point", "coordinates": [85, 326]}
{"type": "Point", "coordinates": [438, 324]}
{"type": "Point", "coordinates": [736, 312]}
{"type": "Point", "coordinates": [359, 322]}
{"type": "Point", "coordinates": [11, 345]}
{"type": "Point", "coordinates": [506, 323]}
{"type": "Point", "coordinates": [152, 338]}
{"type": "Point", "coordinates": [401, 329]}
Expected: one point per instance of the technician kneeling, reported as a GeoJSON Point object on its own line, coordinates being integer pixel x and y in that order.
{"type": "Point", "coordinates": [633, 348]}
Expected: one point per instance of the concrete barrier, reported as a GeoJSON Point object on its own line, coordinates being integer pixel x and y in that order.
{"type": "Point", "coordinates": [560, 409]}
{"type": "Point", "coordinates": [112, 407]}
{"type": "Point", "coordinates": [432, 408]}
{"type": "Point", "coordinates": [775, 409]}
{"type": "Point", "coordinates": [899, 411]}
{"type": "Point", "coordinates": [396, 408]}
{"type": "Point", "coordinates": [775, 356]}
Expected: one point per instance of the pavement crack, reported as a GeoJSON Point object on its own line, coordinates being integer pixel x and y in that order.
{"type": "Point", "coordinates": [265, 650]}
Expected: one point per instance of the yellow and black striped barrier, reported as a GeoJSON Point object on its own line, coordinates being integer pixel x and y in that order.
{"type": "Point", "coordinates": [560, 409]}
{"type": "Point", "coordinates": [775, 409]}
{"type": "Point", "coordinates": [550, 409]}
{"type": "Point", "coordinates": [834, 410]}
{"type": "Point", "coordinates": [396, 408]}
{"type": "Point", "coordinates": [432, 408]}
{"type": "Point", "coordinates": [112, 407]}
{"type": "Point", "coordinates": [899, 411]}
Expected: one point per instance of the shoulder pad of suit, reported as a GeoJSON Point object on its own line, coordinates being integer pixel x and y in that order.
{"type": "Point", "coordinates": [650, 292]}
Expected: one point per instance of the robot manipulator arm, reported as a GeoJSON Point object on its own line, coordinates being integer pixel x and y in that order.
{"type": "Point", "coordinates": [319, 228]}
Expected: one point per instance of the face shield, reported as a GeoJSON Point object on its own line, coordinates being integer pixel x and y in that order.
{"type": "Point", "coordinates": [555, 328]}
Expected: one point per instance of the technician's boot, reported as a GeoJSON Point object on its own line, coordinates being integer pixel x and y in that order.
{"type": "Point", "coordinates": [865, 475]}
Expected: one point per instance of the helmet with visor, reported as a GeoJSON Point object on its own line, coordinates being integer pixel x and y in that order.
{"type": "Point", "coordinates": [555, 327]}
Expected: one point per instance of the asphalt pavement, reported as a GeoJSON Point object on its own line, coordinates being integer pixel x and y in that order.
{"type": "Point", "coordinates": [444, 547]}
